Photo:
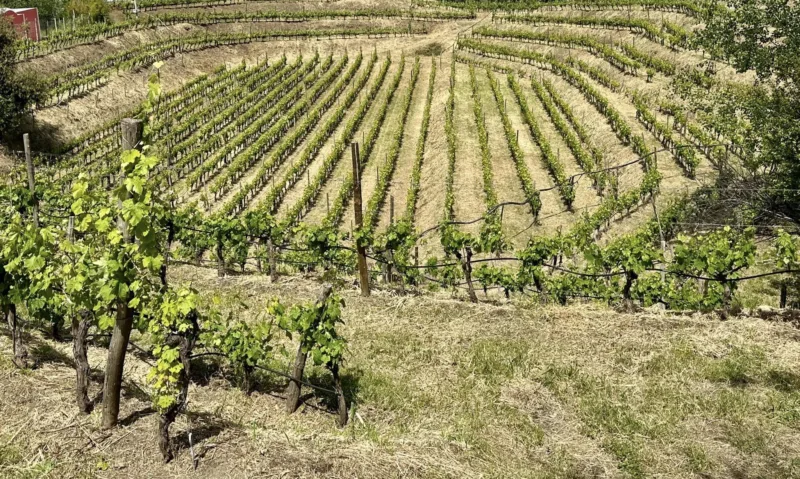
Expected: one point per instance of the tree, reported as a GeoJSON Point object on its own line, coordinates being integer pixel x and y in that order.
{"type": "Point", "coordinates": [762, 37]}
{"type": "Point", "coordinates": [96, 10]}
{"type": "Point", "coordinates": [18, 91]}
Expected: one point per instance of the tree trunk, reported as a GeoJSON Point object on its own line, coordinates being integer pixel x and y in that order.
{"type": "Point", "coordinates": [80, 329]}
{"type": "Point", "coordinates": [342, 402]}
{"type": "Point", "coordinates": [628, 305]}
{"type": "Point", "coordinates": [58, 322]}
{"type": "Point", "coordinates": [247, 379]}
{"type": "Point", "coordinates": [293, 393]}
{"type": "Point", "coordinates": [20, 351]}
{"type": "Point", "coordinates": [784, 290]}
{"type": "Point", "coordinates": [115, 364]}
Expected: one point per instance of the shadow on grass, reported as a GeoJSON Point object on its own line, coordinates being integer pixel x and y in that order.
{"type": "Point", "coordinates": [350, 379]}
{"type": "Point", "coordinates": [784, 381]}
{"type": "Point", "coordinates": [204, 426]}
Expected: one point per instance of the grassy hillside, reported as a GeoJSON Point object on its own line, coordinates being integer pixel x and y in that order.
{"type": "Point", "coordinates": [442, 388]}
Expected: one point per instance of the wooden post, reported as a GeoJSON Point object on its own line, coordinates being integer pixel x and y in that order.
{"type": "Point", "coordinates": [328, 203]}
{"type": "Point", "coordinates": [273, 268]}
{"type": "Point", "coordinates": [131, 139]}
{"type": "Point", "coordinates": [293, 392]}
{"type": "Point", "coordinates": [362, 253]}
{"type": "Point", "coordinates": [391, 210]}
{"type": "Point", "coordinates": [784, 291]}
{"type": "Point", "coordinates": [31, 180]}
{"type": "Point", "coordinates": [71, 229]}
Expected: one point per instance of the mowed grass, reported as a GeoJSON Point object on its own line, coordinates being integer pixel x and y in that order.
{"type": "Point", "coordinates": [443, 388]}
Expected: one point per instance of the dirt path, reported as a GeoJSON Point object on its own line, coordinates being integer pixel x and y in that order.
{"type": "Point", "coordinates": [470, 199]}
{"type": "Point", "coordinates": [430, 202]}
{"type": "Point", "coordinates": [506, 181]}
{"type": "Point", "coordinates": [401, 180]}
{"type": "Point", "coordinates": [345, 166]}
{"type": "Point", "coordinates": [374, 163]}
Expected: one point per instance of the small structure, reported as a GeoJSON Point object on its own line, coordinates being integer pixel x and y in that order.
{"type": "Point", "coordinates": [25, 21]}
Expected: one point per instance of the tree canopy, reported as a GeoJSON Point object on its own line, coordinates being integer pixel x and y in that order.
{"type": "Point", "coordinates": [761, 37]}
{"type": "Point", "coordinates": [17, 91]}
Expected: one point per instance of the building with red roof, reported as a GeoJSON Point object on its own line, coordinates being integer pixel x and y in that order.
{"type": "Point", "coordinates": [25, 21]}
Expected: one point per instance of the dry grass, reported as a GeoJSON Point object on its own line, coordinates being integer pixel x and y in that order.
{"type": "Point", "coordinates": [443, 388]}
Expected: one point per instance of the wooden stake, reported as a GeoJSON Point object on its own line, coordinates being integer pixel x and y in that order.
{"type": "Point", "coordinates": [120, 336]}
{"type": "Point", "coordinates": [362, 253]}
{"type": "Point", "coordinates": [31, 179]}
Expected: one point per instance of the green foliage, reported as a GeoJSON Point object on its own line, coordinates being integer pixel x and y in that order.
{"type": "Point", "coordinates": [315, 325]}
{"type": "Point", "coordinates": [763, 120]}
{"type": "Point", "coordinates": [718, 254]}
{"type": "Point", "coordinates": [95, 10]}
{"type": "Point", "coordinates": [126, 269]}
{"type": "Point", "coordinates": [245, 344]}
{"type": "Point", "coordinates": [175, 315]}
{"type": "Point", "coordinates": [492, 276]}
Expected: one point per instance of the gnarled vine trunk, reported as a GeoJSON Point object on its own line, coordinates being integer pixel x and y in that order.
{"type": "Point", "coordinates": [341, 401]}
{"type": "Point", "coordinates": [80, 330]}
{"type": "Point", "coordinates": [186, 342]}
{"type": "Point", "coordinates": [20, 351]}
{"type": "Point", "coordinates": [293, 391]}
{"type": "Point", "coordinates": [466, 266]}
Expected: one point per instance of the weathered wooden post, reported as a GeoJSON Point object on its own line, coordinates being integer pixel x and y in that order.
{"type": "Point", "coordinates": [131, 139]}
{"type": "Point", "coordinates": [362, 253]}
{"type": "Point", "coordinates": [31, 179]}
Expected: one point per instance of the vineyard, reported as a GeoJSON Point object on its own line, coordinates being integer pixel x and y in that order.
{"type": "Point", "coordinates": [486, 226]}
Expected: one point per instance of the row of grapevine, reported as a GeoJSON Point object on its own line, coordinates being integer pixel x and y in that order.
{"type": "Point", "coordinates": [224, 146]}
{"type": "Point", "coordinates": [287, 144]}
{"type": "Point", "coordinates": [110, 128]}
{"type": "Point", "coordinates": [274, 197]}
{"type": "Point", "coordinates": [587, 162]}
{"type": "Point", "coordinates": [524, 7]}
{"type": "Point", "coordinates": [336, 212]}
{"type": "Point", "coordinates": [79, 80]}
{"type": "Point", "coordinates": [524, 175]}
{"type": "Point", "coordinates": [593, 45]}
{"type": "Point", "coordinates": [200, 119]}
{"type": "Point", "coordinates": [450, 133]}
{"type": "Point", "coordinates": [311, 192]}
{"type": "Point", "coordinates": [95, 32]}
{"type": "Point", "coordinates": [419, 154]}
{"type": "Point", "coordinates": [553, 163]}
{"type": "Point", "coordinates": [105, 285]}
{"type": "Point", "coordinates": [666, 36]}
{"type": "Point", "coordinates": [611, 205]}
{"type": "Point", "coordinates": [184, 102]}
{"type": "Point", "coordinates": [483, 142]}
{"type": "Point", "coordinates": [684, 154]}
{"type": "Point", "coordinates": [395, 144]}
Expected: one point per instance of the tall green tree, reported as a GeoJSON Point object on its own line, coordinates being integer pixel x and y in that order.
{"type": "Point", "coordinates": [761, 37]}
{"type": "Point", "coordinates": [18, 91]}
